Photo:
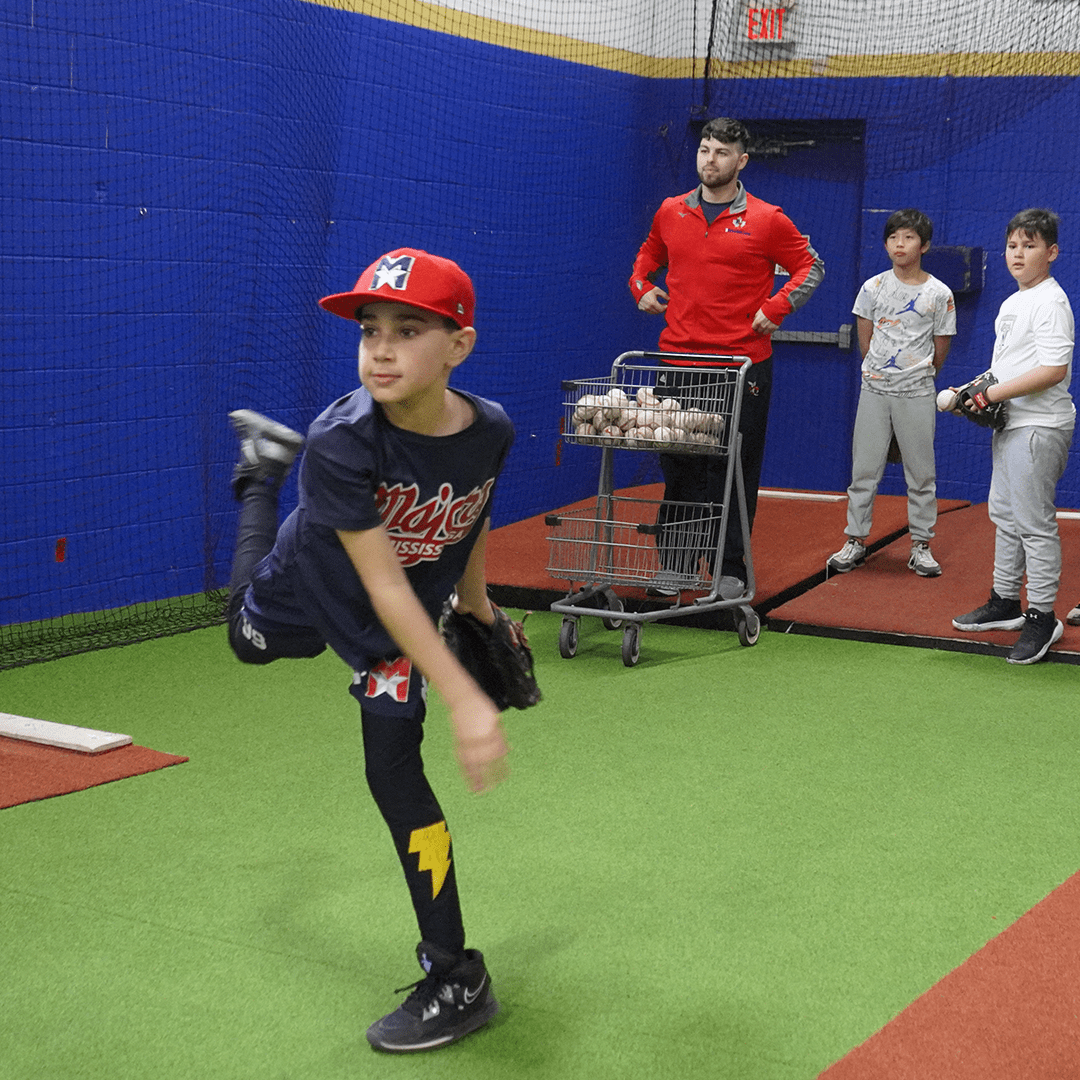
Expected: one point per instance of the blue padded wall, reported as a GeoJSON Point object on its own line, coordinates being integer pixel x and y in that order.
{"type": "Point", "coordinates": [182, 185]}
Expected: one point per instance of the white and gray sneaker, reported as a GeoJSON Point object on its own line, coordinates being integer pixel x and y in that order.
{"type": "Point", "coordinates": [922, 562]}
{"type": "Point", "coordinates": [852, 554]}
{"type": "Point", "coordinates": [267, 450]}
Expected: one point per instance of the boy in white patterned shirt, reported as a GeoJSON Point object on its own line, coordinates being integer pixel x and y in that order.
{"type": "Point", "coordinates": [906, 320]}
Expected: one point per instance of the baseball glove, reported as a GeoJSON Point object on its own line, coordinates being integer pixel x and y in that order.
{"type": "Point", "coordinates": [972, 402]}
{"type": "Point", "coordinates": [497, 656]}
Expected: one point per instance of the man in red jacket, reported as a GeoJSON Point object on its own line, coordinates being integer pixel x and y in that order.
{"type": "Point", "coordinates": [720, 246]}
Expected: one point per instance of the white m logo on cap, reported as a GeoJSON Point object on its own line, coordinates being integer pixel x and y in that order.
{"type": "Point", "coordinates": [392, 272]}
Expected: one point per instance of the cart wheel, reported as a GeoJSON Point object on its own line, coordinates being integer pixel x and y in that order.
{"type": "Point", "coordinates": [568, 638]}
{"type": "Point", "coordinates": [748, 625]}
{"type": "Point", "coordinates": [612, 603]}
{"type": "Point", "coordinates": [631, 644]}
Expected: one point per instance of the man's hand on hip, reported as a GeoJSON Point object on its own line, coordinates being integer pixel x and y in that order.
{"type": "Point", "coordinates": [654, 301]}
{"type": "Point", "coordinates": [763, 325]}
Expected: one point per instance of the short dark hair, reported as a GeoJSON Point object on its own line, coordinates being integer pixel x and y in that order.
{"type": "Point", "coordinates": [1035, 222]}
{"type": "Point", "coordinates": [912, 219]}
{"type": "Point", "coordinates": [724, 129]}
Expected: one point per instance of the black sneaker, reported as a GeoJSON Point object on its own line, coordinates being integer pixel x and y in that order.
{"type": "Point", "coordinates": [996, 614]}
{"type": "Point", "coordinates": [1041, 630]}
{"type": "Point", "coordinates": [267, 450]}
{"type": "Point", "coordinates": [451, 1001]}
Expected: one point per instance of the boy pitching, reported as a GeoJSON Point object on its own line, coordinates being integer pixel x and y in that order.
{"type": "Point", "coordinates": [906, 320]}
{"type": "Point", "coordinates": [394, 504]}
{"type": "Point", "coordinates": [1032, 365]}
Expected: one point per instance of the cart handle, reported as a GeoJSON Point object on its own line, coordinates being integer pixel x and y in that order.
{"type": "Point", "coordinates": [718, 359]}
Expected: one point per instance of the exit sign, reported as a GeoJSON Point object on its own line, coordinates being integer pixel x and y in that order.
{"type": "Point", "coordinates": [767, 24]}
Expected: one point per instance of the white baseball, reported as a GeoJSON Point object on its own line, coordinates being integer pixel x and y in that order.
{"type": "Point", "coordinates": [691, 419]}
{"type": "Point", "coordinates": [645, 395]}
{"type": "Point", "coordinates": [584, 408]}
{"type": "Point", "coordinates": [946, 400]}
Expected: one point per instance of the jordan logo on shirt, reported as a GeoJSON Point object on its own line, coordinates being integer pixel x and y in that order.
{"type": "Point", "coordinates": [420, 531]}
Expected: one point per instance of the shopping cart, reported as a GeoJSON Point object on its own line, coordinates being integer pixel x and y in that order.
{"type": "Point", "coordinates": [621, 541]}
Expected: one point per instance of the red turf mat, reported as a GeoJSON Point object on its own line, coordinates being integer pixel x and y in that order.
{"type": "Point", "coordinates": [792, 539]}
{"type": "Point", "coordinates": [30, 771]}
{"type": "Point", "coordinates": [884, 597]}
{"type": "Point", "coordinates": [1010, 1011]}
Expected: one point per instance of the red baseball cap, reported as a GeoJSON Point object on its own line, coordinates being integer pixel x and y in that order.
{"type": "Point", "coordinates": [410, 276]}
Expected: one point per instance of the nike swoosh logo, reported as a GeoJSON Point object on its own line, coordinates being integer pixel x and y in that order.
{"type": "Point", "coordinates": [471, 997]}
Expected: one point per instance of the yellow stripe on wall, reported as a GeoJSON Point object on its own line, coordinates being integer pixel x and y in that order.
{"type": "Point", "coordinates": [492, 32]}
{"type": "Point", "coordinates": [558, 47]}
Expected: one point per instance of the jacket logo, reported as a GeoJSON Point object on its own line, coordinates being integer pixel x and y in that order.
{"type": "Point", "coordinates": [739, 222]}
{"type": "Point", "coordinates": [419, 531]}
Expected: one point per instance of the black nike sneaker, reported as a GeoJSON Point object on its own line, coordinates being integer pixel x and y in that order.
{"type": "Point", "coordinates": [451, 1001]}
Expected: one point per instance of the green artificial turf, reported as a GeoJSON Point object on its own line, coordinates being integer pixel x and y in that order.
{"type": "Point", "coordinates": [725, 862]}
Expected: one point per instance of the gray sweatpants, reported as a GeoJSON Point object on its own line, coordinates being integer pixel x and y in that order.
{"type": "Point", "coordinates": [1028, 463]}
{"type": "Point", "coordinates": [913, 420]}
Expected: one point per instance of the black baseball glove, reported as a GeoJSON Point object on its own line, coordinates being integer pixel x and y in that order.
{"type": "Point", "coordinates": [497, 656]}
{"type": "Point", "coordinates": [972, 402]}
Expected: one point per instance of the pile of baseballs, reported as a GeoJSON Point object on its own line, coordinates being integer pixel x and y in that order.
{"type": "Point", "coordinates": [643, 421]}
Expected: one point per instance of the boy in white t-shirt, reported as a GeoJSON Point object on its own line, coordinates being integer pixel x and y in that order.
{"type": "Point", "coordinates": [906, 321]}
{"type": "Point", "coordinates": [1032, 366]}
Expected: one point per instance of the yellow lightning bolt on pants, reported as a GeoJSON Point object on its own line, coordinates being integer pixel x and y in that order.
{"type": "Point", "coordinates": [432, 843]}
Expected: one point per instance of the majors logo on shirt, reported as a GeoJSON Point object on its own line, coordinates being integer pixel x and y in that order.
{"type": "Point", "coordinates": [420, 530]}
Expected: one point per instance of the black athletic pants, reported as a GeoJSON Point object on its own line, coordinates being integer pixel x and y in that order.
{"type": "Point", "coordinates": [392, 710]}
{"type": "Point", "coordinates": [699, 478]}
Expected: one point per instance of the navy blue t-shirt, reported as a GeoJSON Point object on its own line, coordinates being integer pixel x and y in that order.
{"type": "Point", "coordinates": [431, 493]}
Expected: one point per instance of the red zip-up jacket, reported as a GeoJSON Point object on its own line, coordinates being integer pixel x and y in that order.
{"type": "Point", "coordinates": [720, 275]}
